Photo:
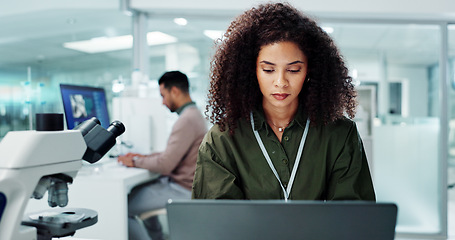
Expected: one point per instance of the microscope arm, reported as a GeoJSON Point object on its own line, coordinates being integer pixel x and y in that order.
{"type": "Point", "coordinates": [25, 157]}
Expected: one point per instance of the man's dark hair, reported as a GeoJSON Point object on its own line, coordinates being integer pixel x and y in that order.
{"type": "Point", "coordinates": [175, 79]}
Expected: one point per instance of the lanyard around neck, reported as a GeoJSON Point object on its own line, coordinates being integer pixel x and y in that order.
{"type": "Point", "coordinates": [286, 191]}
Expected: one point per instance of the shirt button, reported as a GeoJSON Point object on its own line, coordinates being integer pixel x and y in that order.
{"type": "Point", "coordinates": [286, 138]}
{"type": "Point", "coordinates": [285, 161]}
{"type": "Point", "coordinates": [285, 184]}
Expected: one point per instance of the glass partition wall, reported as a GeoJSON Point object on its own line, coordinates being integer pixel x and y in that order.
{"type": "Point", "coordinates": [400, 63]}
{"type": "Point", "coordinates": [401, 116]}
{"type": "Point", "coordinates": [399, 68]}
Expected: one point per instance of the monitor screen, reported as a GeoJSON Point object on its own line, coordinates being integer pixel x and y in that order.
{"type": "Point", "coordinates": [82, 102]}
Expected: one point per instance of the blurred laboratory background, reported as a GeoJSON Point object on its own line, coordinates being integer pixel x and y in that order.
{"type": "Point", "coordinates": [401, 56]}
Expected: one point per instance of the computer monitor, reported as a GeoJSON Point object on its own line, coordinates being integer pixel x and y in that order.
{"type": "Point", "coordinates": [83, 102]}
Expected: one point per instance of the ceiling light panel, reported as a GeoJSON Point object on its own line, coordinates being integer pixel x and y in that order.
{"type": "Point", "coordinates": [108, 44]}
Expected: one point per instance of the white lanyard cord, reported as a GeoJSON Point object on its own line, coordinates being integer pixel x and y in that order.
{"type": "Point", "coordinates": [286, 191]}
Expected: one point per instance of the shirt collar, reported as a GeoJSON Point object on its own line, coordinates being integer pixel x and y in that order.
{"type": "Point", "coordinates": [260, 121]}
{"type": "Point", "coordinates": [180, 109]}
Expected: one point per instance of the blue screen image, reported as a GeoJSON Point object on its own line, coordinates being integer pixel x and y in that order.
{"type": "Point", "coordinates": [83, 102]}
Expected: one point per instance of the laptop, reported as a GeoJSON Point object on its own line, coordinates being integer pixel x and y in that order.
{"type": "Point", "coordinates": [276, 219]}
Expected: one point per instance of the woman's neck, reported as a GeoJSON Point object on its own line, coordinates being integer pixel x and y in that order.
{"type": "Point", "coordinates": [280, 117]}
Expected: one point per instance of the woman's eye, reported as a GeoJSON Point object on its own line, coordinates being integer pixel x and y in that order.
{"type": "Point", "coordinates": [294, 71]}
{"type": "Point", "coordinates": [268, 70]}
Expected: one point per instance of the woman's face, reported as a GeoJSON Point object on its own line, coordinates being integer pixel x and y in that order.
{"type": "Point", "coordinates": [281, 69]}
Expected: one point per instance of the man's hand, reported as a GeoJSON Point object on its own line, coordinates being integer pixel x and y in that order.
{"type": "Point", "coordinates": [128, 159]}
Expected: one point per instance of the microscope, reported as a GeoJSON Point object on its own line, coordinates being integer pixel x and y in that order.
{"type": "Point", "coordinates": [47, 160]}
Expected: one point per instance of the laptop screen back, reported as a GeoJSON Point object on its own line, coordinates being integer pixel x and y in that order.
{"type": "Point", "coordinates": [275, 219]}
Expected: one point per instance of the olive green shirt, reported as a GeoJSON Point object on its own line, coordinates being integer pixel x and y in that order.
{"type": "Point", "coordinates": [333, 165]}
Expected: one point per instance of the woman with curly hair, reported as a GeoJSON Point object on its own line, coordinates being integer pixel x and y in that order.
{"type": "Point", "coordinates": [280, 100]}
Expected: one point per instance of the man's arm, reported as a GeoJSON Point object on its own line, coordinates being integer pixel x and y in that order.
{"type": "Point", "coordinates": [180, 140]}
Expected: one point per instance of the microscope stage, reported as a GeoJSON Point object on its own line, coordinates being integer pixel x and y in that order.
{"type": "Point", "coordinates": [60, 222]}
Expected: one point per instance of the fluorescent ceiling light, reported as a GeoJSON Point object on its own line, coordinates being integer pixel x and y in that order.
{"type": "Point", "coordinates": [157, 38]}
{"type": "Point", "coordinates": [180, 21]}
{"type": "Point", "coordinates": [213, 34]}
{"type": "Point", "coordinates": [107, 44]}
{"type": "Point", "coordinates": [101, 44]}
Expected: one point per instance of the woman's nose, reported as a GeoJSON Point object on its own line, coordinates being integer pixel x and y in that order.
{"type": "Point", "coordinates": [281, 80]}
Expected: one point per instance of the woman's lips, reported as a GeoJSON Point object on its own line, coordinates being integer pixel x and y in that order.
{"type": "Point", "coordinates": [280, 96]}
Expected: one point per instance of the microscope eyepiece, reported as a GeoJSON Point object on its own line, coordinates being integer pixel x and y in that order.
{"type": "Point", "coordinates": [88, 125]}
{"type": "Point", "coordinates": [117, 128]}
{"type": "Point", "coordinates": [99, 140]}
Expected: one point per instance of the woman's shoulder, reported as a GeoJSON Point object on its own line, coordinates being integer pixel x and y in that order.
{"type": "Point", "coordinates": [344, 122]}
{"type": "Point", "coordinates": [342, 126]}
{"type": "Point", "coordinates": [215, 130]}
{"type": "Point", "coordinates": [215, 143]}
{"type": "Point", "coordinates": [216, 134]}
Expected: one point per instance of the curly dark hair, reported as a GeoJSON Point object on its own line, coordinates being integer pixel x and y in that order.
{"type": "Point", "coordinates": [234, 89]}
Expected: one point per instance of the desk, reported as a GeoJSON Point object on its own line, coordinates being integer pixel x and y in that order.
{"type": "Point", "coordinates": [102, 187]}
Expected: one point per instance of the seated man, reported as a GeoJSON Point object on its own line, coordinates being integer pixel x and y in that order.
{"type": "Point", "coordinates": [176, 164]}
